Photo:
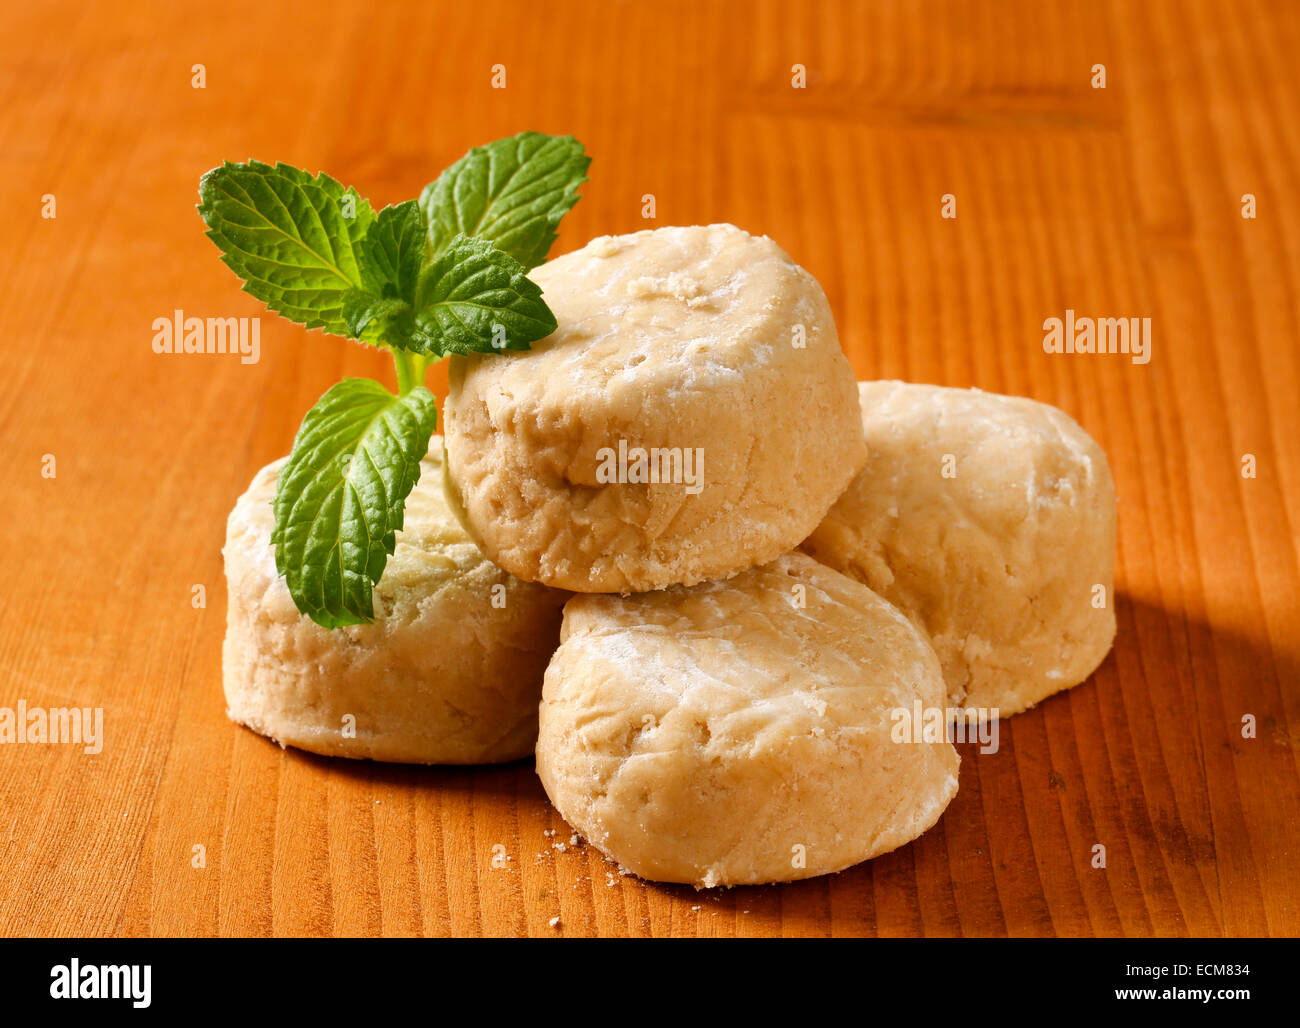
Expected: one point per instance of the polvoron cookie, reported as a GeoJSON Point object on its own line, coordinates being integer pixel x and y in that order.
{"type": "Point", "coordinates": [691, 417]}
{"type": "Point", "coordinates": [449, 672]}
{"type": "Point", "coordinates": [743, 731]}
{"type": "Point", "coordinates": [991, 521]}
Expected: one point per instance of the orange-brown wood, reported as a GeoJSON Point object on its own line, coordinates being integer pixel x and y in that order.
{"type": "Point", "coordinates": [1122, 201]}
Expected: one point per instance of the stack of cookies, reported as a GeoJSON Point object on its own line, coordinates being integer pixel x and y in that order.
{"type": "Point", "coordinates": [709, 579]}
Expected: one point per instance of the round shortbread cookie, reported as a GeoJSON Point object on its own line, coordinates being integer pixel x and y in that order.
{"type": "Point", "coordinates": [990, 520]}
{"type": "Point", "coordinates": [449, 672]}
{"type": "Point", "coordinates": [744, 731]}
{"type": "Point", "coordinates": [691, 417]}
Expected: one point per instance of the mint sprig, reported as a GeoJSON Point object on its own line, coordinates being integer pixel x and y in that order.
{"type": "Point", "coordinates": [422, 279]}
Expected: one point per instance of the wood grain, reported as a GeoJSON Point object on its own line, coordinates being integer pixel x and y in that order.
{"type": "Point", "coordinates": [1123, 201]}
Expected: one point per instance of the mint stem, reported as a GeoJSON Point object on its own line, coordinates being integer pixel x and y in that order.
{"type": "Point", "coordinates": [410, 370]}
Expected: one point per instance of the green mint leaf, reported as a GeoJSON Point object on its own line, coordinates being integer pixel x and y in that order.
{"type": "Point", "coordinates": [476, 299]}
{"type": "Point", "coordinates": [289, 236]}
{"type": "Point", "coordinates": [339, 499]}
{"type": "Point", "coordinates": [392, 253]}
{"type": "Point", "coordinates": [513, 191]}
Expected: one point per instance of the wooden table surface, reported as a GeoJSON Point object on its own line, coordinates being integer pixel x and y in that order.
{"type": "Point", "coordinates": [1122, 201]}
